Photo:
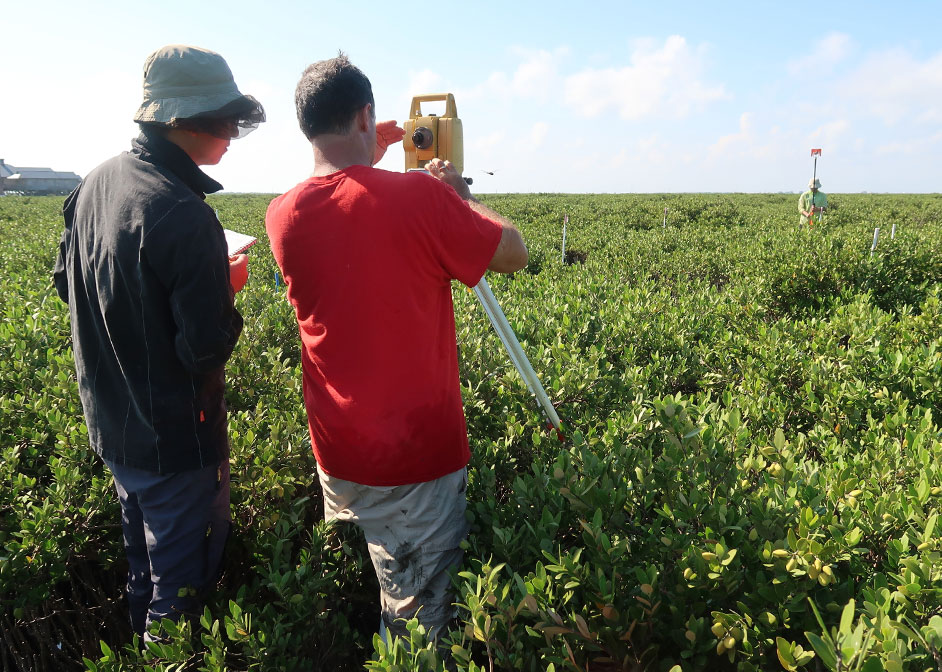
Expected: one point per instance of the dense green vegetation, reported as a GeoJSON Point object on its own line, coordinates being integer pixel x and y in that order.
{"type": "Point", "coordinates": [751, 477]}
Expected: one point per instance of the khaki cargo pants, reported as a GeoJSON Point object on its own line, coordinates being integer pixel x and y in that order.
{"type": "Point", "coordinates": [413, 532]}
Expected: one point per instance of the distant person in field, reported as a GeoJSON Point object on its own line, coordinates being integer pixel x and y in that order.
{"type": "Point", "coordinates": [812, 203]}
{"type": "Point", "coordinates": [368, 257]}
{"type": "Point", "coordinates": [144, 267]}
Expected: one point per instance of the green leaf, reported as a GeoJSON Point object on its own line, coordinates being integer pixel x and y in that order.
{"type": "Point", "coordinates": [803, 658]}
{"type": "Point", "coordinates": [872, 665]}
{"type": "Point", "coordinates": [784, 650]}
{"type": "Point", "coordinates": [930, 527]}
{"type": "Point", "coordinates": [847, 618]}
{"type": "Point", "coordinates": [825, 653]}
{"type": "Point", "coordinates": [817, 615]}
{"type": "Point", "coordinates": [792, 540]}
{"type": "Point", "coordinates": [905, 630]}
{"type": "Point", "coordinates": [206, 618]}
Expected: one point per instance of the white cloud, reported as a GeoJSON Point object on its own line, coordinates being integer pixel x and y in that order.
{"type": "Point", "coordinates": [738, 141]}
{"type": "Point", "coordinates": [485, 144]}
{"type": "Point", "coordinates": [749, 142]}
{"type": "Point", "coordinates": [261, 89]}
{"type": "Point", "coordinates": [620, 159]}
{"type": "Point", "coordinates": [828, 135]}
{"type": "Point", "coordinates": [894, 86]}
{"type": "Point", "coordinates": [535, 78]}
{"type": "Point", "coordinates": [828, 52]}
{"type": "Point", "coordinates": [538, 133]}
{"type": "Point", "coordinates": [659, 81]}
{"type": "Point", "coordinates": [912, 147]}
{"type": "Point", "coordinates": [651, 149]}
{"type": "Point", "coordinates": [537, 75]}
{"type": "Point", "coordinates": [530, 142]}
{"type": "Point", "coordinates": [497, 84]}
{"type": "Point", "coordinates": [425, 81]}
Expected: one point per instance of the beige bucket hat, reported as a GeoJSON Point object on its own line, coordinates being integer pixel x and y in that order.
{"type": "Point", "coordinates": [184, 82]}
{"type": "Point", "coordinates": [814, 183]}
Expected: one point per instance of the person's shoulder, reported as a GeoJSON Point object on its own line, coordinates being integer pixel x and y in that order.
{"type": "Point", "coordinates": [107, 169]}
{"type": "Point", "coordinates": [126, 179]}
{"type": "Point", "coordinates": [291, 197]}
{"type": "Point", "coordinates": [154, 182]}
{"type": "Point", "coordinates": [286, 196]}
{"type": "Point", "coordinates": [414, 179]}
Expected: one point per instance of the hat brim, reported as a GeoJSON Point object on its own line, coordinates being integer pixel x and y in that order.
{"type": "Point", "coordinates": [166, 110]}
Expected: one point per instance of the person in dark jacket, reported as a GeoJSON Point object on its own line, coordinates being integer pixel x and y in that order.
{"type": "Point", "coordinates": [144, 267]}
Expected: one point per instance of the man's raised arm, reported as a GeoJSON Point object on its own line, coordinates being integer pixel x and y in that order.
{"type": "Point", "coordinates": [511, 254]}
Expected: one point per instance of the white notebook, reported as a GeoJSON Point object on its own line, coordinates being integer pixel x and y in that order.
{"type": "Point", "coordinates": [238, 242]}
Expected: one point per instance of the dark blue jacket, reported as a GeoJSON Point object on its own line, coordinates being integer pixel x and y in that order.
{"type": "Point", "coordinates": [144, 268]}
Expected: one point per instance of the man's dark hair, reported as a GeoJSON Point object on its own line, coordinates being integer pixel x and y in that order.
{"type": "Point", "coordinates": [329, 95]}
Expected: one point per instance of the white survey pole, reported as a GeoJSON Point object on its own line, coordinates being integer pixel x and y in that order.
{"type": "Point", "coordinates": [876, 237]}
{"type": "Point", "coordinates": [483, 291]}
{"type": "Point", "coordinates": [562, 257]}
{"type": "Point", "coordinates": [893, 232]}
{"type": "Point", "coordinates": [664, 224]}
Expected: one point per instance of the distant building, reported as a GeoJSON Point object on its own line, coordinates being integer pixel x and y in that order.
{"type": "Point", "coordinates": [36, 181]}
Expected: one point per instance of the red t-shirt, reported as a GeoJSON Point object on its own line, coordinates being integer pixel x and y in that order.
{"type": "Point", "coordinates": [368, 257]}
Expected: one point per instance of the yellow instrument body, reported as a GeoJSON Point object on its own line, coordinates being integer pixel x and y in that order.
{"type": "Point", "coordinates": [431, 136]}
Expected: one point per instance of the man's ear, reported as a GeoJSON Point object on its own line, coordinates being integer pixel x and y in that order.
{"type": "Point", "coordinates": [364, 116]}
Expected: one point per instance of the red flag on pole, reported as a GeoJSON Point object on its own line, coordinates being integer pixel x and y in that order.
{"type": "Point", "coordinates": [815, 152]}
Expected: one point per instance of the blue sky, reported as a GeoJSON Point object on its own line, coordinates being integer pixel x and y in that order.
{"type": "Point", "coordinates": [553, 96]}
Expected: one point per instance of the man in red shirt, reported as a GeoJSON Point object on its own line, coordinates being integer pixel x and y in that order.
{"type": "Point", "coordinates": [368, 257]}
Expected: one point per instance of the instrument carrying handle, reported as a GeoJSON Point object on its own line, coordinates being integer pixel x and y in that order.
{"type": "Point", "coordinates": [451, 110]}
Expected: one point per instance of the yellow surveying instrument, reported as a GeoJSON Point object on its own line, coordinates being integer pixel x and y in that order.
{"type": "Point", "coordinates": [430, 136]}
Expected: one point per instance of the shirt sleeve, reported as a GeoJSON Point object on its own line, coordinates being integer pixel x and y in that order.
{"type": "Point", "coordinates": [187, 253]}
{"type": "Point", "coordinates": [59, 276]}
{"type": "Point", "coordinates": [466, 241]}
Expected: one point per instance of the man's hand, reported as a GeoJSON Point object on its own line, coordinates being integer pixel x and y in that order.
{"type": "Point", "coordinates": [238, 271]}
{"type": "Point", "coordinates": [387, 133]}
{"type": "Point", "coordinates": [447, 173]}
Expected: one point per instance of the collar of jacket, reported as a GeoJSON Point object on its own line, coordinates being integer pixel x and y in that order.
{"type": "Point", "coordinates": [152, 147]}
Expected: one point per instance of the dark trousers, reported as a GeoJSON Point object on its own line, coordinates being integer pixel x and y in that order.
{"type": "Point", "coordinates": [175, 530]}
